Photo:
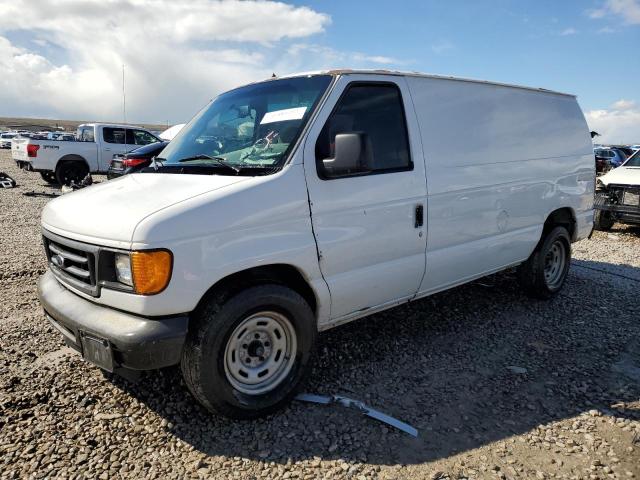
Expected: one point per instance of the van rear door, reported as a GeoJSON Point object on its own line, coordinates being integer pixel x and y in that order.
{"type": "Point", "coordinates": [370, 224]}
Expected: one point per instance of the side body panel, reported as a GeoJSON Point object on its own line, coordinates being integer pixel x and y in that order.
{"type": "Point", "coordinates": [371, 252]}
{"type": "Point", "coordinates": [499, 161]}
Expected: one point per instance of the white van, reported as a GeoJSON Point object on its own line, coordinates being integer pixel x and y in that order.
{"type": "Point", "coordinates": [293, 205]}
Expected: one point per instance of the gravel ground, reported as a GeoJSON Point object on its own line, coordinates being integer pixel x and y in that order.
{"type": "Point", "coordinates": [499, 386]}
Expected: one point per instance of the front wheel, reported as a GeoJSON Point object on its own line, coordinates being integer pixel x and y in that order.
{"type": "Point", "coordinates": [545, 271]}
{"type": "Point", "coordinates": [246, 356]}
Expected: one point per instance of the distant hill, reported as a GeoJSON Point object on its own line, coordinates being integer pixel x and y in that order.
{"type": "Point", "coordinates": [36, 124]}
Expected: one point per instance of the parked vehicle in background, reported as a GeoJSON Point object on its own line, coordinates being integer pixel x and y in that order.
{"type": "Point", "coordinates": [5, 139]}
{"type": "Point", "coordinates": [300, 203]}
{"type": "Point", "coordinates": [171, 132]}
{"type": "Point", "coordinates": [602, 163]}
{"type": "Point", "coordinates": [618, 195]}
{"type": "Point", "coordinates": [135, 160]}
{"type": "Point", "coordinates": [60, 136]}
{"type": "Point", "coordinates": [626, 149]}
{"type": "Point", "coordinates": [614, 156]}
{"type": "Point", "coordinates": [66, 162]}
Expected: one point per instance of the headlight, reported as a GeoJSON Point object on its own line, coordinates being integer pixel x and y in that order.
{"type": "Point", "coordinates": [151, 271]}
{"type": "Point", "coordinates": [147, 271]}
{"type": "Point", "coordinates": [123, 269]}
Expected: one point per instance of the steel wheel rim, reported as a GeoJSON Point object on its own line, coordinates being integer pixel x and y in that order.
{"type": "Point", "coordinates": [260, 352]}
{"type": "Point", "coordinates": [554, 264]}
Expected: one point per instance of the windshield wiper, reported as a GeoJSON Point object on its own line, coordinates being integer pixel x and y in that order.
{"type": "Point", "coordinates": [219, 160]}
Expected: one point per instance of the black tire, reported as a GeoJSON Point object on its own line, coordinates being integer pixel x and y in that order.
{"type": "Point", "coordinates": [49, 177]}
{"type": "Point", "coordinates": [532, 275]}
{"type": "Point", "coordinates": [205, 351]}
{"type": "Point", "coordinates": [603, 221]}
{"type": "Point", "coordinates": [71, 171]}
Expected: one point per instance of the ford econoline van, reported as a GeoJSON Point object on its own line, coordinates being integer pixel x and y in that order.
{"type": "Point", "coordinates": [289, 206]}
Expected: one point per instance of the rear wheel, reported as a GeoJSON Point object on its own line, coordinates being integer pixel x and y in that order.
{"type": "Point", "coordinates": [71, 171]}
{"type": "Point", "coordinates": [246, 356]}
{"type": "Point", "coordinates": [49, 177]}
{"type": "Point", "coordinates": [603, 220]}
{"type": "Point", "coordinates": [545, 271]}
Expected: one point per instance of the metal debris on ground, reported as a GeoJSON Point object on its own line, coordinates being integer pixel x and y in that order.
{"type": "Point", "coordinates": [6, 181]}
{"type": "Point", "coordinates": [85, 182]}
{"type": "Point", "coordinates": [368, 411]}
{"type": "Point", "coordinates": [33, 193]}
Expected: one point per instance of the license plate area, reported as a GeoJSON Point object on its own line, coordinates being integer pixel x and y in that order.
{"type": "Point", "coordinates": [97, 350]}
{"type": "Point", "coordinates": [631, 198]}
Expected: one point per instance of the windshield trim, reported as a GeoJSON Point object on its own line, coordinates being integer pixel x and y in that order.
{"type": "Point", "coordinates": [302, 133]}
{"type": "Point", "coordinates": [634, 156]}
{"type": "Point", "coordinates": [292, 148]}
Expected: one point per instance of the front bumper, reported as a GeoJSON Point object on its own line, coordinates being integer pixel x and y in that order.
{"type": "Point", "coordinates": [112, 173]}
{"type": "Point", "coordinates": [136, 343]}
{"type": "Point", "coordinates": [623, 213]}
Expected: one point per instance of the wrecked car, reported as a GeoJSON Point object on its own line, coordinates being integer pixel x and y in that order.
{"type": "Point", "coordinates": [617, 196]}
{"type": "Point", "coordinates": [293, 205]}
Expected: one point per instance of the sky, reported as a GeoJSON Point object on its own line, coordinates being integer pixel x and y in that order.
{"type": "Point", "coordinates": [63, 58]}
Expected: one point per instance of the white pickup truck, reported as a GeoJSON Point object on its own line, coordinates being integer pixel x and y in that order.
{"type": "Point", "coordinates": [63, 162]}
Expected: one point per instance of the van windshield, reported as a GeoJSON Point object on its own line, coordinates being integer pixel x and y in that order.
{"type": "Point", "coordinates": [634, 160]}
{"type": "Point", "coordinates": [251, 129]}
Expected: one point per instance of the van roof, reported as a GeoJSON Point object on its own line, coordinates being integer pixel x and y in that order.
{"type": "Point", "coordinates": [348, 71]}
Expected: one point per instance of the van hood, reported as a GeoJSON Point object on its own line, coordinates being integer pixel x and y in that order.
{"type": "Point", "coordinates": [107, 213]}
{"type": "Point", "coordinates": [622, 176]}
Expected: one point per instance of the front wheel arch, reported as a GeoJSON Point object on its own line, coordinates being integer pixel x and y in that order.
{"type": "Point", "coordinates": [277, 273]}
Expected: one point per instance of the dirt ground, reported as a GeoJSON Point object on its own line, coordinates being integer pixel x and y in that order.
{"type": "Point", "coordinates": [498, 385]}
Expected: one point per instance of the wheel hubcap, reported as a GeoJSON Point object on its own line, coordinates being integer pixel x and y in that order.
{"type": "Point", "coordinates": [260, 352]}
{"type": "Point", "coordinates": [554, 264]}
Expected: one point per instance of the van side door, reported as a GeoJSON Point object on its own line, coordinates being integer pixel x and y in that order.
{"type": "Point", "coordinates": [369, 223]}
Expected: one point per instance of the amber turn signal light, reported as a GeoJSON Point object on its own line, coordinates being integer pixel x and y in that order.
{"type": "Point", "coordinates": [151, 271]}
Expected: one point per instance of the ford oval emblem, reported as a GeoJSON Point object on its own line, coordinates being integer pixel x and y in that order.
{"type": "Point", "coordinates": [58, 261]}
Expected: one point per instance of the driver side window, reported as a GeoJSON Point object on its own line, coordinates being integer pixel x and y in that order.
{"type": "Point", "coordinates": [376, 111]}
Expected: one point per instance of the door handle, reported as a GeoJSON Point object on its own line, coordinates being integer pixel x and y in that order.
{"type": "Point", "coordinates": [419, 216]}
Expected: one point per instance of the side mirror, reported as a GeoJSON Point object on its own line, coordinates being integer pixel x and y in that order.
{"type": "Point", "coordinates": [352, 154]}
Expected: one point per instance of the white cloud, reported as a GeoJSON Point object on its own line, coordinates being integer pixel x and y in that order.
{"type": "Point", "coordinates": [629, 10]}
{"type": "Point", "coordinates": [619, 124]}
{"type": "Point", "coordinates": [623, 104]}
{"type": "Point", "coordinates": [178, 55]}
{"type": "Point", "coordinates": [606, 30]}
{"type": "Point", "coordinates": [320, 57]}
{"type": "Point", "coordinates": [568, 31]}
{"type": "Point", "coordinates": [442, 47]}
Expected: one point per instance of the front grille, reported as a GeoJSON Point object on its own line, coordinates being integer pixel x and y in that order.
{"type": "Point", "coordinates": [72, 262]}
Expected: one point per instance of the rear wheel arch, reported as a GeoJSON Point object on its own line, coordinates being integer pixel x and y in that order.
{"type": "Point", "coordinates": [76, 162]}
{"type": "Point", "coordinates": [72, 158]}
{"type": "Point", "coordinates": [562, 217]}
